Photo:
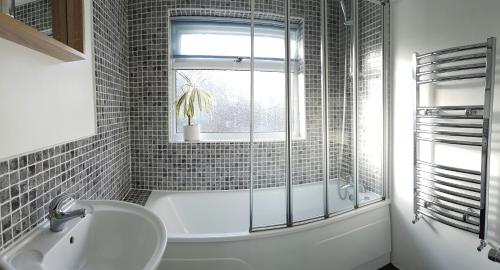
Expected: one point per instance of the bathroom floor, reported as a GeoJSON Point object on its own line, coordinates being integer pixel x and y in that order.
{"type": "Point", "coordinates": [389, 267]}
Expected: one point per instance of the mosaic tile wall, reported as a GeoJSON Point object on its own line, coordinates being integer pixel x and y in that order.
{"type": "Point", "coordinates": [159, 164]}
{"type": "Point", "coordinates": [37, 14]}
{"type": "Point", "coordinates": [94, 168]}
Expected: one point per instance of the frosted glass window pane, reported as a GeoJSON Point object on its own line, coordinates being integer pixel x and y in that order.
{"type": "Point", "coordinates": [231, 92]}
{"type": "Point", "coordinates": [270, 110]}
{"type": "Point", "coordinates": [229, 39]}
{"type": "Point", "coordinates": [211, 45]}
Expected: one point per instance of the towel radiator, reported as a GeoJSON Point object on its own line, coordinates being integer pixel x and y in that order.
{"type": "Point", "coordinates": [452, 195]}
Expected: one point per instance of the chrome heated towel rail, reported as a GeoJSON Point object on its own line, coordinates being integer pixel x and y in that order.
{"type": "Point", "coordinates": [451, 195]}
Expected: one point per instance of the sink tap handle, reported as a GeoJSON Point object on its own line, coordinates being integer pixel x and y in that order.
{"type": "Point", "coordinates": [58, 203]}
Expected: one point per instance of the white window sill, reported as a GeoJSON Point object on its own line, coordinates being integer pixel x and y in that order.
{"type": "Point", "coordinates": [235, 138]}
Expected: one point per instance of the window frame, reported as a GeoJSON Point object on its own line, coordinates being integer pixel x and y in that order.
{"type": "Point", "coordinates": [234, 63]}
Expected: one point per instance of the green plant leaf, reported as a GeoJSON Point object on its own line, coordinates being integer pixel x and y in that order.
{"type": "Point", "coordinates": [180, 103]}
{"type": "Point", "coordinates": [199, 98]}
{"type": "Point", "coordinates": [186, 78]}
{"type": "Point", "coordinates": [191, 105]}
{"type": "Point", "coordinates": [192, 98]}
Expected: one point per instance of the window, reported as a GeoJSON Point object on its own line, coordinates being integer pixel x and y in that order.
{"type": "Point", "coordinates": [215, 54]}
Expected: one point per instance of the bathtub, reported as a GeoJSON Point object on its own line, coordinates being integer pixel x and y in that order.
{"type": "Point", "coordinates": [209, 230]}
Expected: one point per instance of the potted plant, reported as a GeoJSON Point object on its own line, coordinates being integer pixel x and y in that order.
{"type": "Point", "coordinates": [191, 100]}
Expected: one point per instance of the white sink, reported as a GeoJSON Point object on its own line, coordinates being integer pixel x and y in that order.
{"type": "Point", "coordinates": [113, 235]}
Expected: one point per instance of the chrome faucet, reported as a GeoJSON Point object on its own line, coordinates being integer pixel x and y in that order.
{"type": "Point", "coordinates": [57, 217]}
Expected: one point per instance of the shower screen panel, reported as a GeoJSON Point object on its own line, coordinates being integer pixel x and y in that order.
{"type": "Point", "coordinates": [269, 154]}
{"type": "Point", "coordinates": [341, 105]}
{"type": "Point", "coordinates": [370, 102]}
{"type": "Point", "coordinates": [307, 147]}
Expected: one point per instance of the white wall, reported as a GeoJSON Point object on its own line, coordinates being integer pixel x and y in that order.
{"type": "Point", "coordinates": [44, 101]}
{"type": "Point", "coordinates": [424, 25]}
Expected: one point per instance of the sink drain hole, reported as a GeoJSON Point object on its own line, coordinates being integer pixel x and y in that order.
{"type": "Point", "coordinates": [71, 240]}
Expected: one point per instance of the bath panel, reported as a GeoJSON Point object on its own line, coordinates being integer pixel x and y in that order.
{"type": "Point", "coordinates": [209, 230]}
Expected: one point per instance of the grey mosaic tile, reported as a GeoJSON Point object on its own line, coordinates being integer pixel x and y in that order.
{"type": "Point", "coordinates": [159, 164]}
{"type": "Point", "coordinates": [137, 196]}
{"type": "Point", "coordinates": [37, 14]}
{"type": "Point", "coordinates": [93, 168]}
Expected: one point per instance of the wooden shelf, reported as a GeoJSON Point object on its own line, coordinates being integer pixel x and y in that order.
{"type": "Point", "coordinates": [18, 32]}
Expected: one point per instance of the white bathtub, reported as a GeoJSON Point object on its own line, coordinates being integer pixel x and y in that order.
{"type": "Point", "coordinates": [209, 230]}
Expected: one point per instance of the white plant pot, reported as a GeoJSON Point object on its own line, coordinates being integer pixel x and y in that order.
{"type": "Point", "coordinates": [192, 133]}
{"type": "Point", "coordinates": [5, 6]}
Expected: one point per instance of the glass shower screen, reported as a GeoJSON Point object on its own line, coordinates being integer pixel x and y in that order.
{"type": "Point", "coordinates": [268, 144]}
{"type": "Point", "coordinates": [317, 116]}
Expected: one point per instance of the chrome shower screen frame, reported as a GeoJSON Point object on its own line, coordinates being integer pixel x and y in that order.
{"type": "Point", "coordinates": [325, 104]}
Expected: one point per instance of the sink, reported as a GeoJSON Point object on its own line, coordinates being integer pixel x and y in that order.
{"type": "Point", "coordinates": [113, 235]}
